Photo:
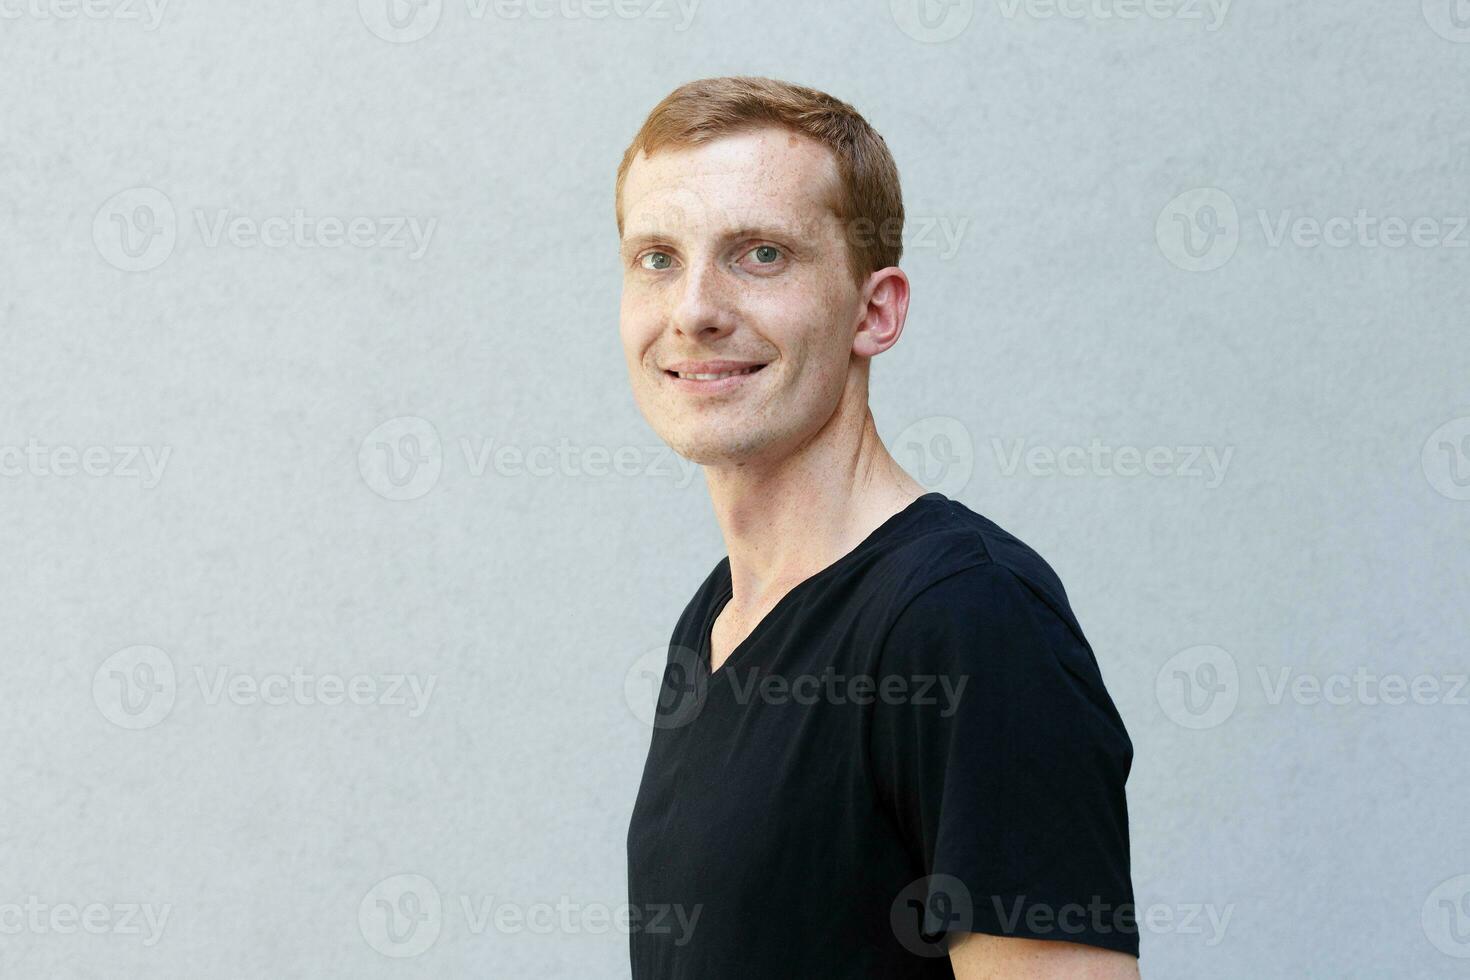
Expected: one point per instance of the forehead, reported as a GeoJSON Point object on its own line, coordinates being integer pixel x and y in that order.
{"type": "Point", "coordinates": [760, 175]}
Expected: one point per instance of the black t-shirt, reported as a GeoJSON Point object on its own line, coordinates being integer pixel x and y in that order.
{"type": "Point", "coordinates": [915, 739]}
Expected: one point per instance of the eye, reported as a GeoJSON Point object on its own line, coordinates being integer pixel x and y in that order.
{"type": "Point", "coordinates": [765, 254]}
{"type": "Point", "coordinates": [659, 260]}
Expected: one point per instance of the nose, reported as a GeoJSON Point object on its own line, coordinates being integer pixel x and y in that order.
{"type": "Point", "coordinates": [702, 305]}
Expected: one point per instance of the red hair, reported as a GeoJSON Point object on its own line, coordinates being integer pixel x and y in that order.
{"type": "Point", "coordinates": [869, 201]}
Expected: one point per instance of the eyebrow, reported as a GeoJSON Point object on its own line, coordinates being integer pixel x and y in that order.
{"type": "Point", "coordinates": [777, 231]}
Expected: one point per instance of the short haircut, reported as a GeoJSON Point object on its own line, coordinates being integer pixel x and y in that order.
{"type": "Point", "coordinates": [869, 201]}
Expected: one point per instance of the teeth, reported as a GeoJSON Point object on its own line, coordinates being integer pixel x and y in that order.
{"type": "Point", "coordinates": [715, 377]}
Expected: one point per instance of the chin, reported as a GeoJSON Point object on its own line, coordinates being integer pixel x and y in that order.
{"type": "Point", "coordinates": [703, 446]}
{"type": "Point", "coordinates": [719, 448]}
{"type": "Point", "coordinates": [703, 450]}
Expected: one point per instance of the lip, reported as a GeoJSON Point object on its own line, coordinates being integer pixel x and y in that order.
{"type": "Point", "coordinates": [710, 387]}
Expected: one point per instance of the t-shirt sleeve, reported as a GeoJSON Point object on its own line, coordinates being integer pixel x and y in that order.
{"type": "Point", "coordinates": [1007, 781]}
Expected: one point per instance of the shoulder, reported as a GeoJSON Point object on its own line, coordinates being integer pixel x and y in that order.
{"type": "Point", "coordinates": [961, 567]}
{"type": "Point", "coordinates": [986, 604]}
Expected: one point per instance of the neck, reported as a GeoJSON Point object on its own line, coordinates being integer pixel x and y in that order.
{"type": "Point", "coordinates": [787, 519]}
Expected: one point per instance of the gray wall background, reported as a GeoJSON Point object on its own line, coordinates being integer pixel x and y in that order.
{"type": "Point", "coordinates": [341, 501]}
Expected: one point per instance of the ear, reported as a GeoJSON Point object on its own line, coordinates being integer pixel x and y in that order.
{"type": "Point", "coordinates": [885, 308]}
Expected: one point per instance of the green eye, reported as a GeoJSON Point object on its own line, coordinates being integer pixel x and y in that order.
{"type": "Point", "coordinates": [660, 260]}
{"type": "Point", "coordinates": [766, 254]}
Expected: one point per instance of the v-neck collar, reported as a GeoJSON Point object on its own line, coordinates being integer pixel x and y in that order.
{"type": "Point", "coordinates": [724, 589]}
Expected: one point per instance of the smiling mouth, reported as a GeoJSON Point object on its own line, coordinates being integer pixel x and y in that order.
{"type": "Point", "coordinates": [693, 376]}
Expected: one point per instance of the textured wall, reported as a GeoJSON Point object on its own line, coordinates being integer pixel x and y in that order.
{"type": "Point", "coordinates": [331, 538]}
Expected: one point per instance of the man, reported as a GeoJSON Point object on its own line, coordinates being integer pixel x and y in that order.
{"type": "Point", "coordinates": [882, 747]}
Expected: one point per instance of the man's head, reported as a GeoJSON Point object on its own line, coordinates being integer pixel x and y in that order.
{"type": "Point", "coordinates": [761, 230]}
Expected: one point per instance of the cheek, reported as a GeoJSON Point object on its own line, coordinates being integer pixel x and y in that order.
{"type": "Point", "coordinates": [827, 333]}
{"type": "Point", "coordinates": [829, 345]}
{"type": "Point", "coordinates": [635, 328]}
